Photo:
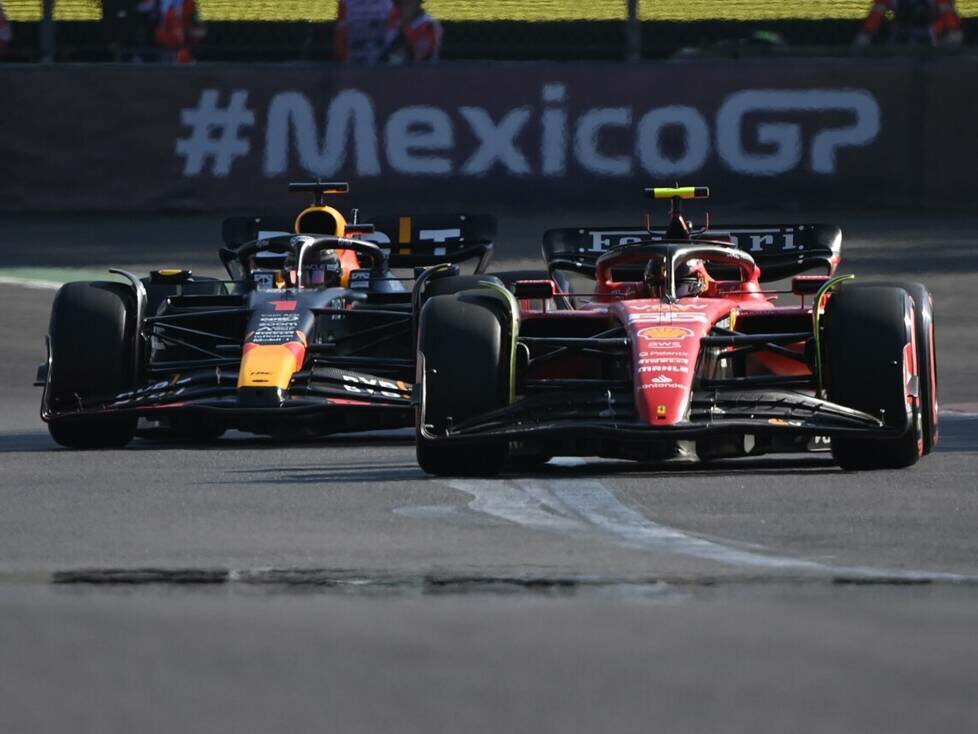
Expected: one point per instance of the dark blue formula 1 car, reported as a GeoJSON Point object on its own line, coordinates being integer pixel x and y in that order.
{"type": "Point", "coordinates": [311, 333]}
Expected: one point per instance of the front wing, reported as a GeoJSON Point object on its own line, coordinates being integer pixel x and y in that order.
{"type": "Point", "coordinates": [313, 391]}
{"type": "Point", "coordinates": [611, 415]}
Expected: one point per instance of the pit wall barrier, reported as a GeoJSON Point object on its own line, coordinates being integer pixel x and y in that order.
{"type": "Point", "coordinates": [229, 137]}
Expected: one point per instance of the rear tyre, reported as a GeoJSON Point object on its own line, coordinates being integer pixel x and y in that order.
{"type": "Point", "coordinates": [866, 333]}
{"type": "Point", "coordinates": [461, 376]}
{"type": "Point", "coordinates": [91, 356]}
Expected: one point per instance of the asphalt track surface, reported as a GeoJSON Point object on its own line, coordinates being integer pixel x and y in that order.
{"type": "Point", "coordinates": [331, 586]}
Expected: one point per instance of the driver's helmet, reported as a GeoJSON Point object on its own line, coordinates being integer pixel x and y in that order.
{"type": "Point", "coordinates": [690, 279]}
{"type": "Point", "coordinates": [326, 271]}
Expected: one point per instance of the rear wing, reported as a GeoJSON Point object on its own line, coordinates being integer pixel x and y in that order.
{"type": "Point", "coordinates": [408, 240]}
{"type": "Point", "coordinates": [429, 239]}
{"type": "Point", "coordinates": [780, 251]}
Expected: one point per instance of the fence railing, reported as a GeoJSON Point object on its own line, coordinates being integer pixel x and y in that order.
{"type": "Point", "coordinates": [301, 30]}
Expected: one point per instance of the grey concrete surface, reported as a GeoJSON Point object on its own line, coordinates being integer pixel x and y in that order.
{"type": "Point", "coordinates": [864, 660]}
{"type": "Point", "coordinates": [759, 596]}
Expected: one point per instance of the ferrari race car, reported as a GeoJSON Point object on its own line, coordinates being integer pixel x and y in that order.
{"type": "Point", "coordinates": [678, 348]}
{"type": "Point", "coordinates": [311, 333]}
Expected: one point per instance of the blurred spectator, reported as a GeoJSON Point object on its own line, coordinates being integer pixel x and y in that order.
{"type": "Point", "coordinates": [6, 35]}
{"type": "Point", "coordinates": [361, 30]}
{"type": "Point", "coordinates": [914, 23]}
{"type": "Point", "coordinates": [414, 37]}
{"type": "Point", "coordinates": [177, 28]}
{"type": "Point", "coordinates": [128, 29]}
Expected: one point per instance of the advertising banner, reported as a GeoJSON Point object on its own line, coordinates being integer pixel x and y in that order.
{"type": "Point", "coordinates": [210, 137]}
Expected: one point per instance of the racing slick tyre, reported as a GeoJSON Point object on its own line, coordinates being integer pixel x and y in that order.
{"type": "Point", "coordinates": [461, 375]}
{"type": "Point", "coordinates": [923, 318]}
{"type": "Point", "coordinates": [867, 329]}
{"type": "Point", "coordinates": [91, 341]}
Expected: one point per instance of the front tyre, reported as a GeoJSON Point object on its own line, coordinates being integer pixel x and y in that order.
{"type": "Point", "coordinates": [868, 332]}
{"type": "Point", "coordinates": [461, 376]}
{"type": "Point", "coordinates": [91, 356]}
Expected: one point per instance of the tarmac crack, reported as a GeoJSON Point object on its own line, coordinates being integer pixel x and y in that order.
{"type": "Point", "coordinates": [360, 582]}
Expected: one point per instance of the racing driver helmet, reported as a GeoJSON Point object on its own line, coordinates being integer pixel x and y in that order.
{"type": "Point", "coordinates": [691, 279]}
{"type": "Point", "coordinates": [326, 271]}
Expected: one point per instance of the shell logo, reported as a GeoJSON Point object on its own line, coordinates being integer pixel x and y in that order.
{"type": "Point", "coordinates": [665, 332]}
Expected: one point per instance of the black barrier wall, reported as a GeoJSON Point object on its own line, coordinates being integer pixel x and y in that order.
{"type": "Point", "coordinates": [819, 132]}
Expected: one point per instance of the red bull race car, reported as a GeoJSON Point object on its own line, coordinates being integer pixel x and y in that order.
{"type": "Point", "coordinates": [311, 333]}
{"type": "Point", "coordinates": [679, 349]}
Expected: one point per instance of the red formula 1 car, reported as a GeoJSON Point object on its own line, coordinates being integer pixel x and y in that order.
{"type": "Point", "coordinates": [678, 348]}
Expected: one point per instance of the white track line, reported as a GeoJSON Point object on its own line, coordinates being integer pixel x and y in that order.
{"type": "Point", "coordinates": [47, 285]}
{"type": "Point", "coordinates": [959, 410]}
{"type": "Point", "coordinates": [593, 502]}
{"type": "Point", "coordinates": [588, 507]}
{"type": "Point", "coordinates": [534, 509]}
